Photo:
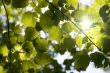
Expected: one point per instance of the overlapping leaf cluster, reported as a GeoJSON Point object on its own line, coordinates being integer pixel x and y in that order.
{"type": "Point", "coordinates": [30, 53]}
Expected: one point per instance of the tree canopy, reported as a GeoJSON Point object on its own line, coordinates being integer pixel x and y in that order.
{"type": "Point", "coordinates": [30, 35]}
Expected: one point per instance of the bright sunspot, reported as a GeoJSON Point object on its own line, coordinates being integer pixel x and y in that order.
{"type": "Point", "coordinates": [85, 23]}
{"type": "Point", "coordinates": [86, 2]}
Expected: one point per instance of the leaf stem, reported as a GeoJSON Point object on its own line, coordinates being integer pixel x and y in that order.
{"type": "Point", "coordinates": [73, 23]}
{"type": "Point", "coordinates": [8, 30]}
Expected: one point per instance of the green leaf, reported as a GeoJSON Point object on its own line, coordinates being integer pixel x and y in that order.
{"type": "Point", "coordinates": [61, 2]}
{"type": "Point", "coordinates": [46, 21]}
{"type": "Point", "coordinates": [104, 13]}
{"type": "Point", "coordinates": [97, 58]}
{"type": "Point", "coordinates": [42, 3]}
{"type": "Point", "coordinates": [1, 69]}
{"type": "Point", "coordinates": [46, 69]}
{"type": "Point", "coordinates": [69, 27]}
{"type": "Point", "coordinates": [88, 46]}
{"type": "Point", "coordinates": [79, 40]}
{"type": "Point", "coordinates": [5, 38]}
{"type": "Point", "coordinates": [59, 49]}
{"type": "Point", "coordinates": [29, 19]}
{"type": "Point", "coordinates": [28, 46]}
{"type": "Point", "coordinates": [97, 39]}
{"type": "Point", "coordinates": [20, 39]}
{"type": "Point", "coordinates": [13, 40]}
{"type": "Point", "coordinates": [41, 45]}
{"type": "Point", "coordinates": [85, 40]}
{"type": "Point", "coordinates": [106, 44]}
{"type": "Point", "coordinates": [17, 29]}
{"type": "Point", "coordinates": [4, 50]}
{"type": "Point", "coordinates": [17, 47]}
{"type": "Point", "coordinates": [55, 33]}
{"type": "Point", "coordinates": [106, 63]}
{"type": "Point", "coordinates": [29, 64]}
{"type": "Point", "coordinates": [19, 3]}
{"type": "Point", "coordinates": [25, 65]}
{"type": "Point", "coordinates": [57, 16]}
{"type": "Point", "coordinates": [68, 63]}
{"type": "Point", "coordinates": [82, 60]}
{"type": "Point", "coordinates": [16, 67]}
{"type": "Point", "coordinates": [31, 70]}
{"type": "Point", "coordinates": [42, 59]}
{"type": "Point", "coordinates": [77, 15]}
{"type": "Point", "coordinates": [68, 43]}
{"type": "Point", "coordinates": [1, 27]}
{"type": "Point", "coordinates": [73, 3]}
{"type": "Point", "coordinates": [38, 10]}
{"type": "Point", "coordinates": [0, 3]}
{"type": "Point", "coordinates": [55, 2]}
{"type": "Point", "coordinates": [95, 8]}
{"type": "Point", "coordinates": [15, 56]}
{"type": "Point", "coordinates": [38, 27]}
{"type": "Point", "coordinates": [105, 28]}
{"type": "Point", "coordinates": [31, 33]}
{"type": "Point", "coordinates": [7, 2]}
{"type": "Point", "coordinates": [57, 67]}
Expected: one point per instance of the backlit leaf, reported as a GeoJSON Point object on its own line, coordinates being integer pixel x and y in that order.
{"type": "Point", "coordinates": [4, 50]}
{"type": "Point", "coordinates": [17, 29]}
{"type": "Point", "coordinates": [29, 19]}
{"type": "Point", "coordinates": [68, 27]}
{"type": "Point", "coordinates": [73, 3]}
{"type": "Point", "coordinates": [79, 40]}
{"type": "Point", "coordinates": [17, 47]}
{"type": "Point", "coordinates": [55, 34]}
{"type": "Point", "coordinates": [1, 69]}
{"type": "Point", "coordinates": [77, 15]}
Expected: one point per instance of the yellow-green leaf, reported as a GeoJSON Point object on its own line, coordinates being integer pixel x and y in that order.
{"type": "Point", "coordinates": [4, 50]}
{"type": "Point", "coordinates": [55, 34]}
{"type": "Point", "coordinates": [79, 40]}
{"type": "Point", "coordinates": [73, 3]}
{"type": "Point", "coordinates": [29, 19]}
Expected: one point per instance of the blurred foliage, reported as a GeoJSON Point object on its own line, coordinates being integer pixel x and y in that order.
{"type": "Point", "coordinates": [30, 53]}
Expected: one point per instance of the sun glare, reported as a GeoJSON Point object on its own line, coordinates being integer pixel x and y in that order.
{"type": "Point", "coordinates": [85, 23]}
{"type": "Point", "coordinates": [86, 2]}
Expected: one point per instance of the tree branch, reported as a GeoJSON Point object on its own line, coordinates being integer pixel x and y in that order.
{"type": "Point", "coordinates": [8, 44]}
{"type": "Point", "coordinates": [73, 23]}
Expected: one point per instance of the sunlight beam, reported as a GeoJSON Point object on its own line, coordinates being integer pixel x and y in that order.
{"type": "Point", "coordinates": [86, 2]}
{"type": "Point", "coordinates": [85, 23]}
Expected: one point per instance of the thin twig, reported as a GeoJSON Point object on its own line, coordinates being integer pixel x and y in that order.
{"type": "Point", "coordinates": [73, 23]}
{"type": "Point", "coordinates": [8, 44]}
